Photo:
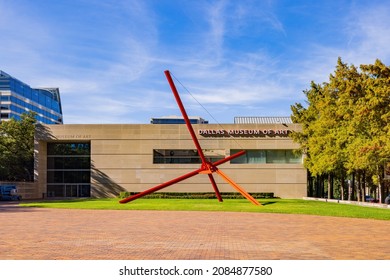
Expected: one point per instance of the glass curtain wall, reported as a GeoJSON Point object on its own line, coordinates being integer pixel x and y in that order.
{"type": "Point", "coordinates": [69, 169]}
{"type": "Point", "coordinates": [251, 156]}
{"type": "Point", "coordinates": [17, 98]}
{"type": "Point", "coordinates": [185, 156]}
{"type": "Point", "coordinates": [267, 156]}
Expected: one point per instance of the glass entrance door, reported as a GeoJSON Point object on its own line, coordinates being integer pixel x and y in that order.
{"type": "Point", "coordinates": [71, 190]}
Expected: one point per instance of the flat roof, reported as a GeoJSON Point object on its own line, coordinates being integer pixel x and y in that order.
{"type": "Point", "coordinates": [173, 117]}
{"type": "Point", "coordinates": [262, 120]}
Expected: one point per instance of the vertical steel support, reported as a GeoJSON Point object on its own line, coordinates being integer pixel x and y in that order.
{"type": "Point", "coordinates": [216, 190]}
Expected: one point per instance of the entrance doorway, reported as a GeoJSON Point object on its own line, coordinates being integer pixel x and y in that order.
{"type": "Point", "coordinates": [69, 190]}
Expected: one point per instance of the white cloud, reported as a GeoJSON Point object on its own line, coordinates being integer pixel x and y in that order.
{"type": "Point", "coordinates": [365, 38]}
{"type": "Point", "coordinates": [110, 57]}
{"type": "Point", "coordinates": [369, 35]}
{"type": "Point", "coordinates": [215, 36]}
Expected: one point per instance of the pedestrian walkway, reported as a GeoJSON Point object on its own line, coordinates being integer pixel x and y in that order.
{"type": "Point", "coordinates": [61, 234]}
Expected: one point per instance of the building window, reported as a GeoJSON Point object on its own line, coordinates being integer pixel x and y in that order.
{"type": "Point", "coordinates": [69, 169]}
{"type": "Point", "coordinates": [267, 156]}
{"type": "Point", "coordinates": [172, 156]}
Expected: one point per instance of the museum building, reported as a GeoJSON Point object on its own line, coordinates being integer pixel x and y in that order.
{"type": "Point", "coordinates": [102, 160]}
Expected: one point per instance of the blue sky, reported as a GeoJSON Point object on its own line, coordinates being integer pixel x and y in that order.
{"type": "Point", "coordinates": [236, 58]}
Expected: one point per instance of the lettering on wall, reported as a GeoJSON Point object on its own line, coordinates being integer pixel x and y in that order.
{"type": "Point", "coordinates": [74, 136]}
{"type": "Point", "coordinates": [243, 132]}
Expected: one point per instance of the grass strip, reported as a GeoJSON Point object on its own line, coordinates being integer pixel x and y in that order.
{"type": "Point", "coordinates": [284, 206]}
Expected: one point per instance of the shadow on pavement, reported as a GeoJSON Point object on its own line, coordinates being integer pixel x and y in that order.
{"type": "Point", "coordinates": [13, 206]}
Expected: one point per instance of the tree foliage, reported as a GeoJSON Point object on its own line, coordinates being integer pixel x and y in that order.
{"type": "Point", "coordinates": [17, 148]}
{"type": "Point", "coordinates": [346, 124]}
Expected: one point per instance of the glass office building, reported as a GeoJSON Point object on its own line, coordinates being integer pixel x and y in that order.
{"type": "Point", "coordinates": [17, 98]}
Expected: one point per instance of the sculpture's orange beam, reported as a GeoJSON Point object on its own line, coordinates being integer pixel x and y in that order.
{"type": "Point", "coordinates": [237, 187]}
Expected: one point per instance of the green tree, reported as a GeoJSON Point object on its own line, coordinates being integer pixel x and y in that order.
{"type": "Point", "coordinates": [17, 148]}
{"type": "Point", "coordinates": [345, 126]}
{"type": "Point", "coordinates": [369, 148]}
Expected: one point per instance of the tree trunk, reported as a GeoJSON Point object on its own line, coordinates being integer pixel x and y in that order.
{"type": "Point", "coordinates": [318, 186]}
{"type": "Point", "coordinates": [381, 193]}
{"type": "Point", "coordinates": [359, 187]}
{"type": "Point", "coordinates": [342, 186]}
{"type": "Point", "coordinates": [352, 192]}
{"type": "Point", "coordinates": [330, 186]}
{"type": "Point", "coordinates": [310, 185]}
{"type": "Point", "coordinates": [363, 186]}
{"type": "Point", "coordinates": [322, 186]}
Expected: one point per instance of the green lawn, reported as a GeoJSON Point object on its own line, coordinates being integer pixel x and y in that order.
{"type": "Point", "coordinates": [287, 206]}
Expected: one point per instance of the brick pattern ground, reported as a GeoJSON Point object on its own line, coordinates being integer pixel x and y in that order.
{"type": "Point", "coordinates": [60, 234]}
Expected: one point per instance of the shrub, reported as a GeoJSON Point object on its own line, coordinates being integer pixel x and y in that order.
{"type": "Point", "coordinates": [197, 195]}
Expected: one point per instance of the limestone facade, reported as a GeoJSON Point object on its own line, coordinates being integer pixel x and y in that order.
{"type": "Point", "coordinates": [122, 157]}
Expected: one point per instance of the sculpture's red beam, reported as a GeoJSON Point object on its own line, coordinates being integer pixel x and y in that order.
{"type": "Point", "coordinates": [205, 164]}
{"type": "Point", "coordinates": [185, 116]}
{"type": "Point", "coordinates": [207, 167]}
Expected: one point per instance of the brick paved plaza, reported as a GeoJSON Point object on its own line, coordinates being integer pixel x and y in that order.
{"type": "Point", "coordinates": [59, 234]}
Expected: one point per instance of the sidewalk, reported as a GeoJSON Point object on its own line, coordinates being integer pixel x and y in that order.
{"type": "Point", "coordinates": [59, 234]}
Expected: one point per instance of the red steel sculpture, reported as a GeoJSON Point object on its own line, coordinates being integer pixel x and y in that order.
{"type": "Point", "coordinates": [206, 167]}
